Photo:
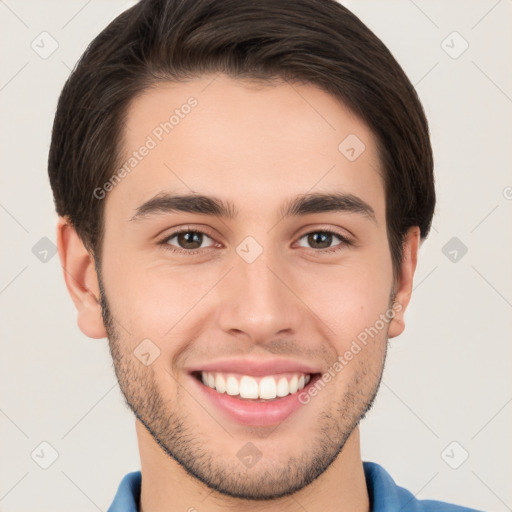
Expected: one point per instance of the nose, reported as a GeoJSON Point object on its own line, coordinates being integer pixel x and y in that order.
{"type": "Point", "coordinates": [258, 301]}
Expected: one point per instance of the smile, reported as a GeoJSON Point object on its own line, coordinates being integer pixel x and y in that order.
{"type": "Point", "coordinates": [268, 387]}
{"type": "Point", "coordinates": [254, 400]}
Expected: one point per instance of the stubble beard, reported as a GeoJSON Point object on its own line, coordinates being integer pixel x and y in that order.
{"type": "Point", "coordinates": [173, 429]}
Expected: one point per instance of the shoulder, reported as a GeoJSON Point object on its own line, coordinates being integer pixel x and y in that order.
{"type": "Point", "coordinates": [386, 496]}
{"type": "Point", "coordinates": [128, 494]}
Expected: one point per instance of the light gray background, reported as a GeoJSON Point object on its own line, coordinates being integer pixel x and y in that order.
{"type": "Point", "coordinates": [447, 377]}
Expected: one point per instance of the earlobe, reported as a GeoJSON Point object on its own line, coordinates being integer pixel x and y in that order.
{"type": "Point", "coordinates": [403, 289]}
{"type": "Point", "coordinates": [81, 279]}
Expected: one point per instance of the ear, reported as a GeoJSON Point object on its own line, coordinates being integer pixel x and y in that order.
{"type": "Point", "coordinates": [403, 287]}
{"type": "Point", "coordinates": [81, 279]}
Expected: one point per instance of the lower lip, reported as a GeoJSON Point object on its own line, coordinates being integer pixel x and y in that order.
{"type": "Point", "coordinates": [248, 412]}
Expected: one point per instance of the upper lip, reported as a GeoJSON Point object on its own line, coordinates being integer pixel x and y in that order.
{"type": "Point", "coordinates": [256, 367]}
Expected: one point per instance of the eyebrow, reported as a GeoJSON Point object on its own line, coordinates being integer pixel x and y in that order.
{"type": "Point", "coordinates": [301, 205]}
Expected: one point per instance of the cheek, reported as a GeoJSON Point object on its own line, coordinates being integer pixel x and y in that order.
{"type": "Point", "coordinates": [154, 301]}
{"type": "Point", "coordinates": [349, 296]}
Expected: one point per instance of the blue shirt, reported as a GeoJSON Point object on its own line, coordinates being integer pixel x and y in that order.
{"type": "Point", "coordinates": [384, 494]}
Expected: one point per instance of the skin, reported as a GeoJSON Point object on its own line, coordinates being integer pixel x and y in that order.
{"type": "Point", "coordinates": [257, 146]}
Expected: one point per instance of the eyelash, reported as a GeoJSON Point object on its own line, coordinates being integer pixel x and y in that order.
{"type": "Point", "coordinates": [345, 242]}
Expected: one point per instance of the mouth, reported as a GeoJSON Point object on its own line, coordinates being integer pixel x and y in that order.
{"type": "Point", "coordinates": [261, 389]}
{"type": "Point", "coordinates": [264, 400]}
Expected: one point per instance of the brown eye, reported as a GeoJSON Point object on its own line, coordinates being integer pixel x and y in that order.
{"type": "Point", "coordinates": [323, 239]}
{"type": "Point", "coordinates": [186, 240]}
{"type": "Point", "coordinates": [189, 240]}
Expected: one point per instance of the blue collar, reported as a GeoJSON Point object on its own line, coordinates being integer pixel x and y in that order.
{"type": "Point", "coordinates": [384, 494]}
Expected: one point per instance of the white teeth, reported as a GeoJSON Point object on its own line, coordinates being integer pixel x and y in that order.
{"type": "Point", "coordinates": [248, 387]}
{"type": "Point", "coordinates": [267, 388]}
{"type": "Point", "coordinates": [282, 387]}
{"type": "Point", "coordinates": [232, 386]}
{"type": "Point", "coordinates": [220, 383]}
{"type": "Point", "coordinates": [293, 384]}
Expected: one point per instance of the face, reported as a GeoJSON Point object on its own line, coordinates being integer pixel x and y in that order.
{"type": "Point", "coordinates": [256, 302]}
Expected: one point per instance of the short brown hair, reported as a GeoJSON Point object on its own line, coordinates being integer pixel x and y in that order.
{"type": "Point", "coordinates": [313, 41]}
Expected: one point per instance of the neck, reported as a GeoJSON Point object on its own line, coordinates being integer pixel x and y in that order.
{"type": "Point", "coordinates": [167, 486]}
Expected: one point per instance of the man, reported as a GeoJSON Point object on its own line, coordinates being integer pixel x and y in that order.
{"type": "Point", "coordinates": [201, 150]}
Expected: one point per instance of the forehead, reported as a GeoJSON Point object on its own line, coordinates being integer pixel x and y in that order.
{"type": "Point", "coordinates": [251, 143]}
